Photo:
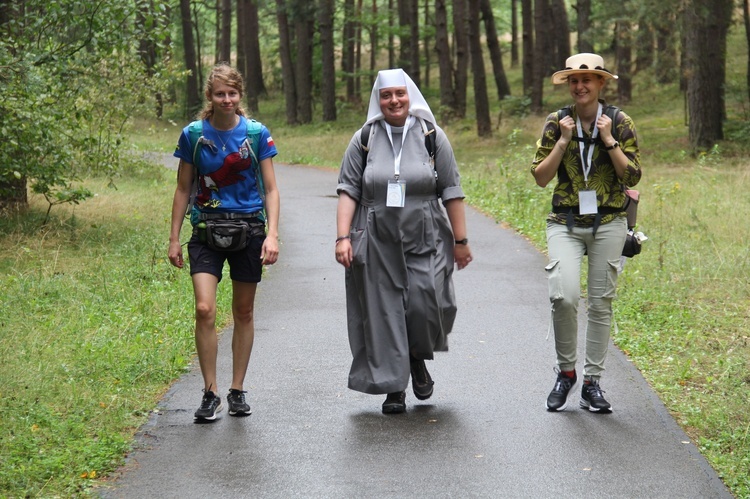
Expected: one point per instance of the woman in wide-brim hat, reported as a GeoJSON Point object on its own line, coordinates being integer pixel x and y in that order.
{"type": "Point", "coordinates": [592, 151]}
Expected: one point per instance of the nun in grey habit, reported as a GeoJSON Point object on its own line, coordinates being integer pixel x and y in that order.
{"type": "Point", "coordinates": [398, 243]}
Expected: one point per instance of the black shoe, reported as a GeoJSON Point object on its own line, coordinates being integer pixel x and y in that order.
{"type": "Point", "coordinates": [210, 407]}
{"type": "Point", "coordinates": [558, 397]}
{"type": "Point", "coordinates": [237, 404]}
{"type": "Point", "coordinates": [592, 398]}
{"type": "Point", "coordinates": [395, 403]}
{"type": "Point", "coordinates": [421, 381]}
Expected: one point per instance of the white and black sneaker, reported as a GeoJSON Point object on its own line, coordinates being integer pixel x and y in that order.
{"type": "Point", "coordinates": [210, 407]}
{"type": "Point", "coordinates": [592, 397]}
{"type": "Point", "coordinates": [236, 402]}
{"type": "Point", "coordinates": [558, 397]}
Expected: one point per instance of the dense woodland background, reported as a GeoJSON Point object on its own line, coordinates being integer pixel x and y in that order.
{"type": "Point", "coordinates": [72, 73]}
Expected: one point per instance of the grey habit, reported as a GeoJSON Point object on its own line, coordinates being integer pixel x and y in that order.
{"type": "Point", "coordinates": [399, 288]}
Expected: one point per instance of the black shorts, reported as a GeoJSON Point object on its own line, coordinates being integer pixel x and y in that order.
{"type": "Point", "coordinates": [244, 265]}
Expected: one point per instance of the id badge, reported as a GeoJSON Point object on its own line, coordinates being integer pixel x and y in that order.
{"type": "Point", "coordinates": [587, 202]}
{"type": "Point", "coordinates": [396, 194]}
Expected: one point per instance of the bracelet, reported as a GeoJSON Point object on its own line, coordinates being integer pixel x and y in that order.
{"type": "Point", "coordinates": [339, 239]}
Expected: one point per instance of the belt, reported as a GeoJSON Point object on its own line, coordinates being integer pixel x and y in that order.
{"type": "Point", "coordinates": [228, 216]}
{"type": "Point", "coordinates": [571, 211]}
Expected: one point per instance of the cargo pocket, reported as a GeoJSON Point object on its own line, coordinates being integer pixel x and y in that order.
{"type": "Point", "coordinates": [554, 279]}
{"type": "Point", "coordinates": [610, 291]}
{"type": "Point", "coordinates": [358, 238]}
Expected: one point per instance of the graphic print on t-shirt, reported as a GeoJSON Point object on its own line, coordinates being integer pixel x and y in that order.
{"type": "Point", "coordinates": [228, 174]}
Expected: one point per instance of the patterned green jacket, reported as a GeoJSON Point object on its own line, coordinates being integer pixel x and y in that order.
{"type": "Point", "coordinates": [610, 191]}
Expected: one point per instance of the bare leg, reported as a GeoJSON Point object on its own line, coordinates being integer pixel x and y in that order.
{"type": "Point", "coordinates": [206, 339]}
{"type": "Point", "coordinates": [243, 302]}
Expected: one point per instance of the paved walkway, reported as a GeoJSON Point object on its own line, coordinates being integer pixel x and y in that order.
{"type": "Point", "coordinates": [484, 433]}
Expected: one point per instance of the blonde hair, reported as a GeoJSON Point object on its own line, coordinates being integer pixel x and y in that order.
{"type": "Point", "coordinates": [227, 75]}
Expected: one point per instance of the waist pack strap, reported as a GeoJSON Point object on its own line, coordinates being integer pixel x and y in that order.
{"type": "Point", "coordinates": [229, 216]}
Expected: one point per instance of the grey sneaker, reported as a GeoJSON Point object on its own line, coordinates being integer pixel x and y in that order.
{"type": "Point", "coordinates": [210, 407]}
{"type": "Point", "coordinates": [558, 397]}
{"type": "Point", "coordinates": [592, 398]}
{"type": "Point", "coordinates": [237, 404]}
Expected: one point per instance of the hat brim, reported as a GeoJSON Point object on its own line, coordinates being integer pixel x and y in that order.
{"type": "Point", "coordinates": [562, 76]}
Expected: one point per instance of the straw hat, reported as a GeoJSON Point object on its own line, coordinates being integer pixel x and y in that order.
{"type": "Point", "coordinates": [582, 63]}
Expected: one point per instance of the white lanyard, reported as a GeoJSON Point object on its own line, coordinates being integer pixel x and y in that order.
{"type": "Point", "coordinates": [397, 157]}
{"type": "Point", "coordinates": [586, 159]}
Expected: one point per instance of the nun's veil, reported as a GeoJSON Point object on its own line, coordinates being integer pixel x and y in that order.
{"type": "Point", "coordinates": [398, 78]}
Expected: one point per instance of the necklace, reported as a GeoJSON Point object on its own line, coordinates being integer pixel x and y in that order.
{"type": "Point", "coordinates": [224, 142]}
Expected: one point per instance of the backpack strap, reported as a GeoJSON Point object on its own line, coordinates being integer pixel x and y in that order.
{"type": "Point", "coordinates": [429, 140]}
{"type": "Point", "coordinates": [364, 137]}
{"type": "Point", "coordinates": [611, 111]}
{"type": "Point", "coordinates": [254, 129]}
{"type": "Point", "coordinates": [195, 135]}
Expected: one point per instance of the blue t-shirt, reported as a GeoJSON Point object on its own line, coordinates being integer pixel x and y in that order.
{"type": "Point", "coordinates": [226, 179]}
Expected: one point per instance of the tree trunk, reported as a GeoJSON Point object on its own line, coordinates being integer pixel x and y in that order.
{"type": "Point", "coordinates": [146, 18]}
{"type": "Point", "coordinates": [560, 36]}
{"type": "Point", "coordinates": [583, 9]}
{"type": "Point", "coordinates": [225, 46]}
{"type": "Point", "coordinates": [391, 36]}
{"type": "Point", "coordinates": [527, 23]}
{"type": "Point", "coordinates": [416, 70]}
{"type": "Point", "coordinates": [460, 28]}
{"type": "Point", "coordinates": [624, 43]}
{"type": "Point", "coordinates": [513, 33]}
{"type": "Point", "coordinates": [193, 99]}
{"type": "Point", "coordinates": [404, 37]}
{"type": "Point", "coordinates": [374, 38]}
{"type": "Point", "coordinates": [347, 51]}
{"type": "Point", "coordinates": [746, 17]}
{"type": "Point", "coordinates": [443, 50]}
{"type": "Point", "coordinates": [254, 76]}
{"type": "Point", "coordinates": [427, 45]}
{"type": "Point", "coordinates": [358, 50]}
{"type": "Point", "coordinates": [481, 100]}
{"type": "Point", "coordinates": [304, 27]}
{"type": "Point", "coordinates": [706, 23]}
{"type": "Point", "coordinates": [328, 59]}
{"type": "Point", "coordinates": [241, 41]}
{"type": "Point", "coordinates": [287, 64]}
{"type": "Point", "coordinates": [501, 81]}
{"type": "Point", "coordinates": [541, 32]}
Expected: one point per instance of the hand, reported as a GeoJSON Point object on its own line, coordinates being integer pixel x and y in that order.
{"type": "Point", "coordinates": [604, 125]}
{"type": "Point", "coordinates": [175, 254]}
{"type": "Point", "coordinates": [567, 125]}
{"type": "Point", "coordinates": [344, 252]}
{"type": "Point", "coordinates": [269, 253]}
{"type": "Point", "coordinates": [462, 255]}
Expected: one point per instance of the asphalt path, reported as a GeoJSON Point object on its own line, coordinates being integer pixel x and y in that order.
{"type": "Point", "coordinates": [484, 433]}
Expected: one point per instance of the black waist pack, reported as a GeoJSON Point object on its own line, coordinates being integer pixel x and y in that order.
{"type": "Point", "coordinates": [229, 234]}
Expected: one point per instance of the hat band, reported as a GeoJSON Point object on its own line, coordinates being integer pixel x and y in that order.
{"type": "Point", "coordinates": [585, 66]}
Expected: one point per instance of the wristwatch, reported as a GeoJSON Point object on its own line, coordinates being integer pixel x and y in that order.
{"type": "Point", "coordinates": [463, 241]}
{"type": "Point", "coordinates": [613, 146]}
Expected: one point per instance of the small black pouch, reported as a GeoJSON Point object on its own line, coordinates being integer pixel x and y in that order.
{"type": "Point", "coordinates": [632, 245]}
{"type": "Point", "coordinates": [227, 235]}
